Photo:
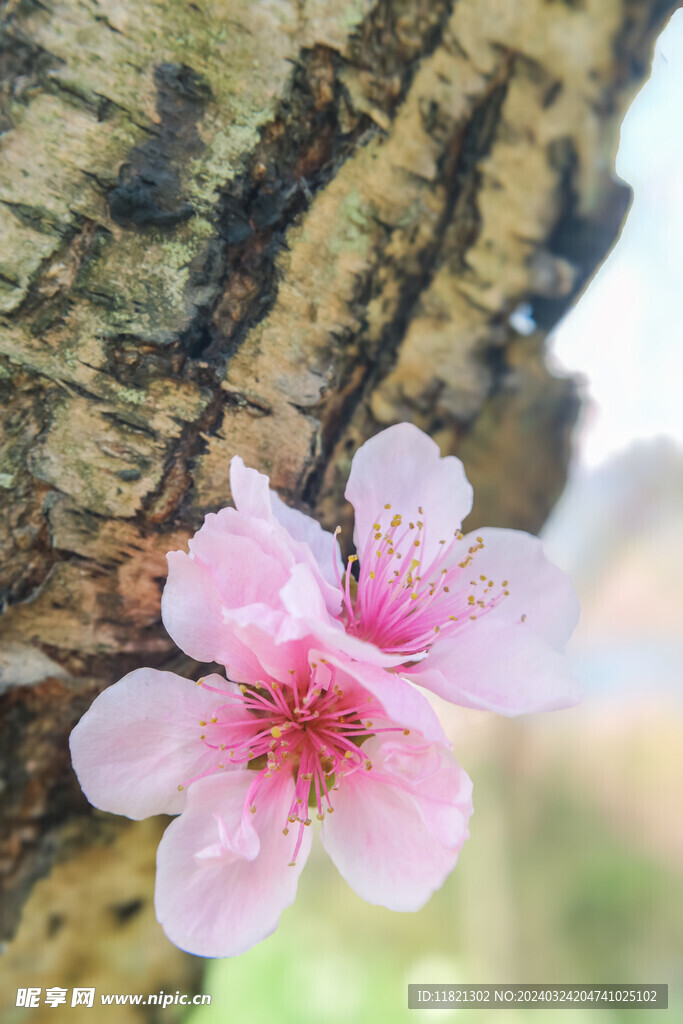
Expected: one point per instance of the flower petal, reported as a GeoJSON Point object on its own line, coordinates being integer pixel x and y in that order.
{"type": "Point", "coordinates": [402, 703]}
{"type": "Point", "coordinates": [140, 740]}
{"type": "Point", "coordinates": [321, 544]}
{"type": "Point", "coordinates": [249, 489]}
{"type": "Point", "coordinates": [192, 611]}
{"type": "Point", "coordinates": [242, 571]}
{"type": "Point", "coordinates": [223, 875]}
{"type": "Point", "coordinates": [537, 588]}
{"type": "Point", "coordinates": [498, 666]}
{"type": "Point", "coordinates": [397, 830]}
{"type": "Point", "coordinates": [403, 468]}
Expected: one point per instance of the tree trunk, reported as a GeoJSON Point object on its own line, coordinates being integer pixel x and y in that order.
{"type": "Point", "coordinates": [267, 228]}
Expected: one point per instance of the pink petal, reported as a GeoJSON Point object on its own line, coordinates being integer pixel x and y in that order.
{"type": "Point", "coordinates": [322, 545]}
{"type": "Point", "coordinates": [192, 610]}
{"type": "Point", "coordinates": [498, 666]}
{"type": "Point", "coordinates": [310, 542]}
{"type": "Point", "coordinates": [223, 875]}
{"type": "Point", "coordinates": [140, 740]}
{"type": "Point", "coordinates": [228, 522]}
{"type": "Point", "coordinates": [250, 491]}
{"type": "Point", "coordinates": [402, 703]}
{"type": "Point", "coordinates": [396, 830]}
{"type": "Point", "coordinates": [402, 467]}
{"type": "Point", "coordinates": [537, 588]}
{"type": "Point", "coordinates": [257, 628]}
{"type": "Point", "coordinates": [242, 571]}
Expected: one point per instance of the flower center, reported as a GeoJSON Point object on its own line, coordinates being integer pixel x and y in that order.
{"type": "Point", "coordinates": [313, 730]}
{"type": "Point", "coordinates": [406, 598]}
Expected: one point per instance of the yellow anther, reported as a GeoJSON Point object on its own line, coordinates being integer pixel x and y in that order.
{"type": "Point", "coordinates": [470, 599]}
{"type": "Point", "coordinates": [320, 817]}
{"type": "Point", "coordinates": [504, 583]}
{"type": "Point", "coordinates": [411, 525]}
{"type": "Point", "coordinates": [330, 810]}
{"type": "Point", "coordinates": [252, 809]}
{"type": "Point", "coordinates": [523, 618]}
{"type": "Point", "coordinates": [379, 554]}
{"type": "Point", "coordinates": [353, 558]}
{"type": "Point", "coordinates": [378, 536]}
{"type": "Point", "coordinates": [214, 719]}
{"type": "Point", "coordinates": [480, 540]}
{"type": "Point", "coordinates": [406, 732]}
{"type": "Point", "coordinates": [483, 578]}
{"type": "Point", "coordinates": [180, 789]}
{"type": "Point", "coordinates": [307, 821]}
{"type": "Point", "coordinates": [446, 590]}
{"type": "Point", "coordinates": [420, 510]}
{"type": "Point", "coordinates": [413, 597]}
{"type": "Point", "coordinates": [372, 575]}
{"type": "Point", "coordinates": [417, 543]}
{"type": "Point", "coordinates": [452, 618]}
{"type": "Point", "coordinates": [376, 526]}
{"type": "Point", "coordinates": [473, 616]}
{"type": "Point", "coordinates": [203, 736]}
{"type": "Point", "coordinates": [506, 593]}
{"type": "Point", "coordinates": [437, 629]}
{"type": "Point", "coordinates": [201, 722]}
{"type": "Point", "coordinates": [368, 766]}
{"type": "Point", "coordinates": [387, 506]}
{"type": "Point", "coordinates": [285, 831]}
{"type": "Point", "coordinates": [276, 732]}
{"type": "Point", "coordinates": [348, 754]}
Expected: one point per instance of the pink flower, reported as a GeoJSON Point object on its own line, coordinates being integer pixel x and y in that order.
{"type": "Point", "coordinates": [248, 767]}
{"type": "Point", "coordinates": [479, 619]}
{"type": "Point", "coordinates": [258, 578]}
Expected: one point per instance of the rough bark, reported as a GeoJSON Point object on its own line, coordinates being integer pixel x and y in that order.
{"type": "Point", "coordinates": [268, 228]}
